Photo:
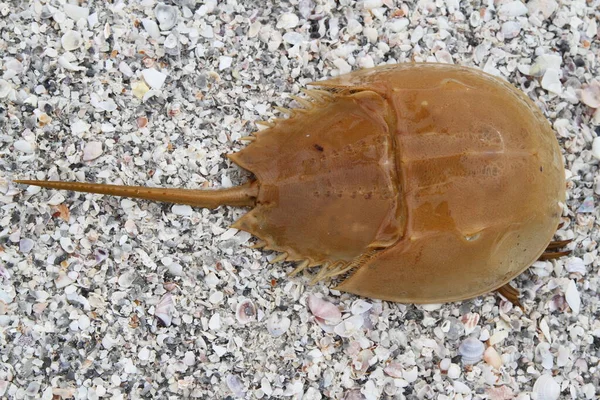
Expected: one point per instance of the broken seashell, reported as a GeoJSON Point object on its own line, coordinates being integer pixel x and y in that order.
{"type": "Point", "coordinates": [323, 310]}
{"type": "Point", "coordinates": [245, 312]}
{"type": "Point", "coordinates": [166, 16]}
{"type": "Point", "coordinates": [349, 326]}
{"type": "Point", "coordinates": [278, 324]}
{"type": "Point", "coordinates": [394, 370]}
{"type": "Point", "coordinates": [546, 388]}
{"type": "Point", "coordinates": [360, 307]}
{"type": "Point", "coordinates": [164, 309]}
{"type": "Point", "coordinates": [470, 321]}
{"type": "Point", "coordinates": [360, 363]}
{"type": "Point", "coordinates": [491, 356]}
{"type": "Point", "coordinates": [572, 297]}
{"type": "Point", "coordinates": [471, 351]}
{"type": "Point", "coordinates": [543, 355]}
{"type": "Point", "coordinates": [576, 265]}
{"type": "Point", "coordinates": [71, 40]}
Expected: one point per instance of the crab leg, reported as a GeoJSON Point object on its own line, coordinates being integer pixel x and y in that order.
{"type": "Point", "coordinates": [511, 294]}
{"type": "Point", "coordinates": [240, 196]}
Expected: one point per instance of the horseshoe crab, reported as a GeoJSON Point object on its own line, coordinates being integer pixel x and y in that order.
{"type": "Point", "coordinates": [417, 183]}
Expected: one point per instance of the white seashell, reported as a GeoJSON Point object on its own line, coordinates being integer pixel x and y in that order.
{"type": "Point", "coordinates": [590, 94]}
{"type": "Point", "coordinates": [71, 40]}
{"type": "Point", "coordinates": [225, 62]}
{"type": "Point", "coordinates": [394, 370]}
{"type": "Point", "coordinates": [293, 38]}
{"type": "Point", "coordinates": [445, 364]}
{"type": "Point", "coordinates": [587, 206]}
{"type": "Point", "coordinates": [491, 356]}
{"type": "Point", "coordinates": [235, 385]}
{"type": "Point", "coordinates": [25, 245]}
{"type": "Point", "coordinates": [155, 79]}
{"type": "Point", "coordinates": [245, 312]}
{"type": "Point", "coordinates": [92, 150]}
{"type": "Point", "coordinates": [454, 371]}
{"type": "Point", "coordinates": [543, 355]}
{"type": "Point", "coordinates": [460, 387]}
{"type": "Point", "coordinates": [551, 81]}
{"type": "Point", "coordinates": [411, 375]}
{"type": "Point", "coordinates": [510, 29]}
{"type": "Point", "coordinates": [126, 279]}
{"type": "Point", "coordinates": [546, 388]}
{"type": "Point", "coordinates": [324, 310]}
{"type": "Point", "coordinates": [5, 88]}
{"type": "Point", "coordinates": [182, 209]}
{"type": "Point", "coordinates": [151, 27]}
{"type": "Point", "coordinates": [349, 326]}
{"type": "Point", "coordinates": [471, 351]}
{"type": "Point", "coordinates": [166, 16]}
{"type": "Point", "coordinates": [572, 297]}
{"type": "Point", "coordinates": [360, 307]}
{"type": "Point", "coordinates": [68, 63]}
{"type": "Point", "coordinates": [360, 363]}
{"type": "Point", "coordinates": [24, 146]}
{"type": "Point", "coordinates": [545, 330]}
{"type": "Point", "coordinates": [576, 265]}
{"type": "Point", "coordinates": [563, 356]}
{"type": "Point", "coordinates": [470, 321]}
{"type": "Point", "coordinates": [75, 12]}
{"type": "Point", "coordinates": [595, 143]}
{"type": "Point", "coordinates": [278, 324]}
{"type": "Point", "coordinates": [512, 9]}
{"type": "Point", "coordinates": [62, 280]}
{"type": "Point", "coordinates": [67, 244]}
{"type": "Point", "coordinates": [164, 309]}
{"type": "Point", "coordinates": [287, 21]}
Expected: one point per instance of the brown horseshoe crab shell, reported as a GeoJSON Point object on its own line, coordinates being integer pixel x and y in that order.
{"type": "Point", "coordinates": [425, 183]}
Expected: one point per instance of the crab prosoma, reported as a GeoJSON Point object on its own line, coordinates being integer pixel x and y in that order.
{"type": "Point", "coordinates": [416, 183]}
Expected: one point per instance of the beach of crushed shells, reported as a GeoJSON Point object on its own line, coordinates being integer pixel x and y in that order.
{"type": "Point", "coordinates": [109, 298]}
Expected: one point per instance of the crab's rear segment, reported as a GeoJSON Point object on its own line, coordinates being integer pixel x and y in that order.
{"type": "Point", "coordinates": [328, 191]}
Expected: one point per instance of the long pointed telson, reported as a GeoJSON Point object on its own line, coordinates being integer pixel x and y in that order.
{"type": "Point", "coordinates": [240, 196]}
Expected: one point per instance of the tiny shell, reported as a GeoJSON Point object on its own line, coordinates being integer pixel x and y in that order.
{"type": "Point", "coordinates": [546, 388]}
{"type": "Point", "coordinates": [245, 312]}
{"type": "Point", "coordinates": [164, 309]}
{"type": "Point", "coordinates": [166, 16]}
{"type": "Point", "coordinates": [278, 324]}
{"type": "Point", "coordinates": [492, 357]}
{"type": "Point", "coordinates": [71, 40]}
{"type": "Point", "coordinates": [471, 351]}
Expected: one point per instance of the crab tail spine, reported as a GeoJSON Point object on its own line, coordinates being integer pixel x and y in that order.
{"type": "Point", "coordinates": [239, 196]}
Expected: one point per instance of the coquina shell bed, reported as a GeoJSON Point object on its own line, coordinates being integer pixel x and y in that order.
{"type": "Point", "coordinates": [414, 183]}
